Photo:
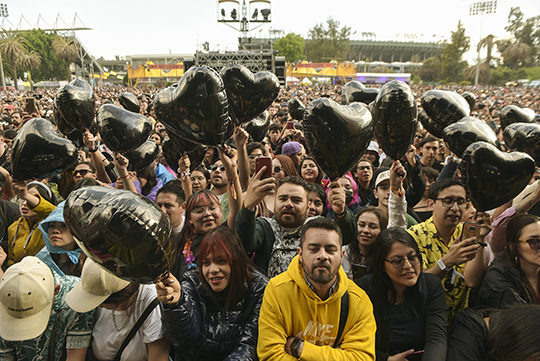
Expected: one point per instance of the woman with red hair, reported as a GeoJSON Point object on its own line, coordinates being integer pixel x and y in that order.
{"type": "Point", "coordinates": [212, 312]}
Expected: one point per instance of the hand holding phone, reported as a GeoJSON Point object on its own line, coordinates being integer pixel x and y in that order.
{"type": "Point", "coordinates": [30, 105]}
{"type": "Point", "coordinates": [470, 230]}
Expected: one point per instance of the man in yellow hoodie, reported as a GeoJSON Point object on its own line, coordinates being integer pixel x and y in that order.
{"type": "Point", "coordinates": [313, 311]}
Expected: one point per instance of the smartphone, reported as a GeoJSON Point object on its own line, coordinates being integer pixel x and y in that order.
{"type": "Point", "coordinates": [470, 230]}
{"type": "Point", "coordinates": [290, 125]}
{"type": "Point", "coordinates": [358, 270]}
{"type": "Point", "coordinates": [30, 105]}
{"type": "Point", "coordinates": [264, 161]}
{"type": "Point", "coordinates": [416, 356]}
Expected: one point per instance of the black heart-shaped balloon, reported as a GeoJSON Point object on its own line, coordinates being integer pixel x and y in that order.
{"type": "Point", "coordinates": [460, 135]}
{"type": "Point", "coordinates": [197, 108]}
{"type": "Point", "coordinates": [120, 129]}
{"type": "Point", "coordinates": [143, 156]}
{"type": "Point", "coordinates": [366, 95]}
{"type": "Point", "coordinates": [395, 114]}
{"type": "Point", "coordinates": [470, 98]}
{"type": "Point", "coordinates": [524, 137]}
{"type": "Point", "coordinates": [39, 152]}
{"type": "Point", "coordinates": [123, 232]}
{"type": "Point", "coordinates": [431, 126]}
{"type": "Point", "coordinates": [445, 107]}
{"type": "Point", "coordinates": [350, 90]}
{"type": "Point", "coordinates": [75, 135]}
{"type": "Point", "coordinates": [129, 102]}
{"type": "Point", "coordinates": [337, 135]}
{"type": "Point", "coordinates": [257, 127]}
{"type": "Point", "coordinates": [77, 104]}
{"type": "Point", "coordinates": [514, 114]}
{"type": "Point", "coordinates": [296, 109]}
{"type": "Point", "coordinates": [174, 148]}
{"type": "Point", "coordinates": [249, 94]}
{"type": "Point", "coordinates": [493, 177]}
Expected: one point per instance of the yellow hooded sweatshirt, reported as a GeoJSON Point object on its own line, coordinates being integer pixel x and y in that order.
{"type": "Point", "coordinates": [291, 308]}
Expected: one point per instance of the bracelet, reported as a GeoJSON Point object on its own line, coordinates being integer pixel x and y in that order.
{"type": "Point", "coordinates": [233, 191]}
{"type": "Point", "coordinates": [399, 191]}
{"type": "Point", "coordinates": [127, 175]}
{"type": "Point", "coordinates": [93, 150]}
{"type": "Point", "coordinates": [184, 174]}
{"type": "Point", "coordinates": [343, 213]}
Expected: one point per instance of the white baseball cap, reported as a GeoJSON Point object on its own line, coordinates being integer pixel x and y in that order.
{"type": "Point", "coordinates": [382, 177]}
{"type": "Point", "coordinates": [26, 298]}
{"type": "Point", "coordinates": [96, 285]}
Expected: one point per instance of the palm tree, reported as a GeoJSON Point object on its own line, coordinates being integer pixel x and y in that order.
{"type": "Point", "coordinates": [487, 43]}
{"type": "Point", "coordinates": [28, 62]}
{"type": "Point", "coordinates": [516, 53]}
{"type": "Point", "coordinates": [66, 49]}
{"type": "Point", "coordinates": [380, 69]}
{"type": "Point", "coordinates": [13, 47]}
{"type": "Point", "coordinates": [484, 75]}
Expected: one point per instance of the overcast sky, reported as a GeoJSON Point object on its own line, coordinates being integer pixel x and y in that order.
{"type": "Point", "coordinates": [180, 26]}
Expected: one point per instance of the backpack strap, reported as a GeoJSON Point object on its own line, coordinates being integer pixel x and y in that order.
{"type": "Point", "coordinates": [343, 315]}
{"type": "Point", "coordinates": [136, 327]}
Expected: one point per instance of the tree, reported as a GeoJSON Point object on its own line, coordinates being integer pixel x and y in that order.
{"type": "Point", "coordinates": [516, 54]}
{"type": "Point", "coordinates": [484, 74]}
{"type": "Point", "coordinates": [452, 65]}
{"type": "Point", "coordinates": [66, 49]}
{"type": "Point", "coordinates": [380, 69]}
{"type": "Point", "coordinates": [515, 20]}
{"type": "Point", "coordinates": [13, 47]}
{"type": "Point", "coordinates": [29, 62]}
{"type": "Point", "coordinates": [51, 67]}
{"type": "Point", "coordinates": [327, 43]}
{"type": "Point", "coordinates": [291, 47]}
{"type": "Point", "coordinates": [487, 43]}
{"type": "Point", "coordinates": [430, 69]}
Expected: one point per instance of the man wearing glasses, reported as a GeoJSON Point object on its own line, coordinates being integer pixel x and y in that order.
{"type": "Point", "coordinates": [84, 170]}
{"type": "Point", "coordinates": [459, 264]}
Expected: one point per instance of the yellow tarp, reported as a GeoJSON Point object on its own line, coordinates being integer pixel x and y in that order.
{"type": "Point", "coordinates": [151, 70]}
{"type": "Point", "coordinates": [332, 69]}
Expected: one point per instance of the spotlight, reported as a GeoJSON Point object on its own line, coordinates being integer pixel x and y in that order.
{"type": "Point", "coordinates": [223, 12]}
{"type": "Point", "coordinates": [255, 14]}
{"type": "Point", "coordinates": [233, 14]}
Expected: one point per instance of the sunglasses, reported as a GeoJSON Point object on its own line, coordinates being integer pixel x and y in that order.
{"type": "Point", "coordinates": [83, 172]}
{"type": "Point", "coordinates": [215, 167]}
{"type": "Point", "coordinates": [534, 243]}
{"type": "Point", "coordinates": [277, 169]}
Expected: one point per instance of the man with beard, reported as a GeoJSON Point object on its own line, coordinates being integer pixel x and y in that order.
{"type": "Point", "coordinates": [459, 263]}
{"type": "Point", "coordinates": [313, 310]}
{"type": "Point", "coordinates": [275, 240]}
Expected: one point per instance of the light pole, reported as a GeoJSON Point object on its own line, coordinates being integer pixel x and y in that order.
{"type": "Point", "coordinates": [4, 13]}
{"type": "Point", "coordinates": [481, 7]}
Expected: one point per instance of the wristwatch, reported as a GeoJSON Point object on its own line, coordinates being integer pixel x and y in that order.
{"type": "Point", "coordinates": [294, 347]}
{"type": "Point", "coordinates": [442, 266]}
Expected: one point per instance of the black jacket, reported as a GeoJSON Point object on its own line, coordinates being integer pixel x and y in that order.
{"type": "Point", "coordinates": [502, 287]}
{"type": "Point", "coordinates": [201, 329]}
{"type": "Point", "coordinates": [431, 305]}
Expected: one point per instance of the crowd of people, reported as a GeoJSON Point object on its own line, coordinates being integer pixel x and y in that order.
{"type": "Point", "coordinates": [273, 260]}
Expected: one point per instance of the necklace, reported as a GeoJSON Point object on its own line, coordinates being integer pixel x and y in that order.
{"type": "Point", "coordinates": [129, 312]}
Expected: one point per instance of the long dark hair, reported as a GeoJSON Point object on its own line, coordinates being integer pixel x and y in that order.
{"type": "Point", "coordinates": [354, 253]}
{"type": "Point", "coordinates": [513, 334]}
{"type": "Point", "coordinates": [511, 255]}
{"type": "Point", "coordinates": [321, 173]}
{"type": "Point", "coordinates": [151, 180]}
{"type": "Point", "coordinates": [383, 285]}
{"type": "Point", "coordinates": [223, 242]}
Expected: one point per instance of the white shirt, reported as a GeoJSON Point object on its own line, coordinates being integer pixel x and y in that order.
{"type": "Point", "coordinates": [106, 340]}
